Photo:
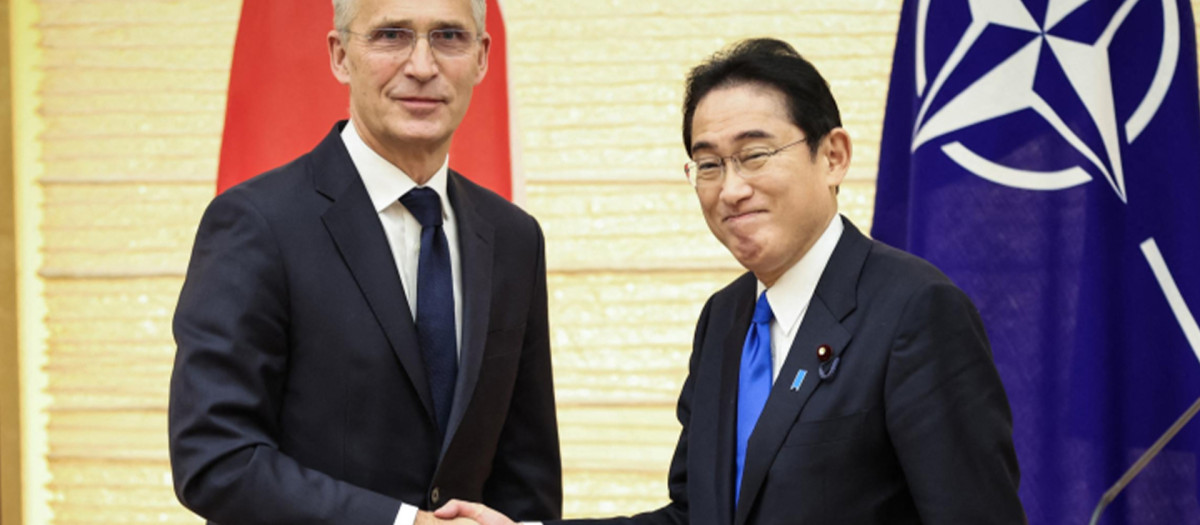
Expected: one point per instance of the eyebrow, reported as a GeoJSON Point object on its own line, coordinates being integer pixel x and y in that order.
{"type": "Point", "coordinates": [745, 135]}
{"type": "Point", "coordinates": [408, 24]}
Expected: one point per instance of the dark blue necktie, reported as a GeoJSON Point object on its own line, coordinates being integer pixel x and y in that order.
{"type": "Point", "coordinates": [435, 301]}
{"type": "Point", "coordinates": [754, 381]}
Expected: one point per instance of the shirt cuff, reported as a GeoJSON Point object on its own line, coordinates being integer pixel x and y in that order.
{"type": "Point", "coordinates": [407, 515]}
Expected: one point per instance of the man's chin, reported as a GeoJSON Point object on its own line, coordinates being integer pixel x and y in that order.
{"type": "Point", "coordinates": [747, 254]}
{"type": "Point", "coordinates": [432, 135]}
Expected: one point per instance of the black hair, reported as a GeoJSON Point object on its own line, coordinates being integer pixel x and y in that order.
{"type": "Point", "coordinates": [771, 63]}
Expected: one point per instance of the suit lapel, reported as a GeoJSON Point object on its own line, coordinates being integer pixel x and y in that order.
{"type": "Point", "coordinates": [354, 226]}
{"type": "Point", "coordinates": [784, 404]}
{"type": "Point", "coordinates": [475, 235]}
{"type": "Point", "coordinates": [731, 358]}
{"type": "Point", "coordinates": [833, 300]}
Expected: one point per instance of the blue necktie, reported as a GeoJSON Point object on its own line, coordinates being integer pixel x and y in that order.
{"type": "Point", "coordinates": [754, 381]}
{"type": "Point", "coordinates": [436, 331]}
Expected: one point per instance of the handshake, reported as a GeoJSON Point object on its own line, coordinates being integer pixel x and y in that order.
{"type": "Point", "coordinates": [463, 513]}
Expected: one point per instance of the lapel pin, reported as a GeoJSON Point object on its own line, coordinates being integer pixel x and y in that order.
{"type": "Point", "coordinates": [799, 379]}
{"type": "Point", "coordinates": [827, 367]}
{"type": "Point", "coordinates": [824, 352]}
{"type": "Point", "coordinates": [826, 370]}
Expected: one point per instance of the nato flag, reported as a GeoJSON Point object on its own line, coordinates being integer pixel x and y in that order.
{"type": "Point", "coordinates": [1045, 154]}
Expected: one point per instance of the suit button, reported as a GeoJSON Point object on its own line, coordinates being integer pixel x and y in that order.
{"type": "Point", "coordinates": [435, 495]}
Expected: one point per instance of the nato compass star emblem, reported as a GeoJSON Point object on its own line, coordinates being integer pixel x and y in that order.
{"type": "Point", "coordinates": [1012, 86]}
{"type": "Point", "coordinates": [1060, 72]}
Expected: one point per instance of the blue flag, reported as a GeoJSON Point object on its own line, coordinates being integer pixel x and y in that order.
{"type": "Point", "coordinates": [1045, 154]}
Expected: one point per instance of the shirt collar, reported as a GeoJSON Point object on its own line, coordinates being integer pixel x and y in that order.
{"type": "Point", "coordinates": [384, 181]}
{"type": "Point", "coordinates": [791, 294]}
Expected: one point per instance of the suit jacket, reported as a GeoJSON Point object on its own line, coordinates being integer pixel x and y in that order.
{"type": "Point", "coordinates": [912, 426]}
{"type": "Point", "coordinates": [299, 394]}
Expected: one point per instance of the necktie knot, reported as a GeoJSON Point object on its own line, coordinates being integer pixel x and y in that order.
{"type": "Point", "coordinates": [762, 309]}
{"type": "Point", "coordinates": [425, 205]}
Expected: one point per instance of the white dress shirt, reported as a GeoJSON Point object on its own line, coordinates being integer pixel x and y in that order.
{"type": "Point", "coordinates": [385, 185]}
{"type": "Point", "coordinates": [792, 293]}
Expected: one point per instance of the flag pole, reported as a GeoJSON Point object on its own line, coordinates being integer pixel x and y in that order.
{"type": "Point", "coordinates": [1144, 460]}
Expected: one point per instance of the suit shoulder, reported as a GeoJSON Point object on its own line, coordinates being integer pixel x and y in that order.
{"type": "Point", "coordinates": [734, 291]}
{"type": "Point", "coordinates": [903, 268]}
{"type": "Point", "coordinates": [272, 192]}
{"type": "Point", "coordinates": [895, 279]}
{"type": "Point", "coordinates": [276, 180]}
{"type": "Point", "coordinates": [498, 210]}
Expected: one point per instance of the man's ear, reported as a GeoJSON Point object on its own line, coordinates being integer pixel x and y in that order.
{"type": "Point", "coordinates": [835, 153]}
{"type": "Point", "coordinates": [485, 46]}
{"type": "Point", "coordinates": [337, 56]}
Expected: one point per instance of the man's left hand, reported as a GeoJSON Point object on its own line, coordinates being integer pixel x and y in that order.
{"type": "Point", "coordinates": [476, 512]}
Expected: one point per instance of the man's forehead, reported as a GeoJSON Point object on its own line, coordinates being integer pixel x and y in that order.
{"type": "Point", "coordinates": [406, 13]}
{"type": "Point", "coordinates": [740, 112]}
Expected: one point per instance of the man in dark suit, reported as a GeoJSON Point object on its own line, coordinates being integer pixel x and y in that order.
{"type": "Point", "coordinates": [362, 332]}
{"type": "Point", "coordinates": [840, 380]}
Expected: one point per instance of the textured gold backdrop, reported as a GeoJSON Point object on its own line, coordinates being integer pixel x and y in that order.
{"type": "Point", "coordinates": [131, 96]}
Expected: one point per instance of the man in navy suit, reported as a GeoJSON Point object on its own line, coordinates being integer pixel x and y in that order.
{"type": "Point", "coordinates": [363, 333]}
{"type": "Point", "coordinates": [839, 380]}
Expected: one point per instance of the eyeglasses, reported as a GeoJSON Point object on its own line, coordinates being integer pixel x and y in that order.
{"type": "Point", "coordinates": [709, 170]}
{"type": "Point", "coordinates": [402, 40]}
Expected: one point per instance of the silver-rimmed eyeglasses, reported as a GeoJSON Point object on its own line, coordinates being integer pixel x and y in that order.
{"type": "Point", "coordinates": [449, 42]}
{"type": "Point", "coordinates": [708, 170]}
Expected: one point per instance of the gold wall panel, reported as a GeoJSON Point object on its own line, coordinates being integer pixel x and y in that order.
{"type": "Point", "coordinates": [132, 101]}
{"type": "Point", "coordinates": [109, 353]}
{"type": "Point", "coordinates": [126, 229]}
{"type": "Point", "coordinates": [599, 84]}
{"type": "Point", "coordinates": [132, 104]}
{"type": "Point", "coordinates": [10, 407]}
{"type": "Point", "coordinates": [603, 356]}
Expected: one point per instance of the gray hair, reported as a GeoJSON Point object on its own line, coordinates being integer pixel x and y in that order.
{"type": "Point", "coordinates": [344, 10]}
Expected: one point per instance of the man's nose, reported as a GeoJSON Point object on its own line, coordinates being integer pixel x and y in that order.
{"type": "Point", "coordinates": [422, 64]}
{"type": "Point", "coordinates": [734, 188]}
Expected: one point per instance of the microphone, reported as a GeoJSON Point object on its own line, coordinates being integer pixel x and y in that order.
{"type": "Point", "coordinates": [1144, 460]}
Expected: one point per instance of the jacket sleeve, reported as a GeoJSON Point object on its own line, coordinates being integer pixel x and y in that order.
{"type": "Point", "coordinates": [947, 413]}
{"type": "Point", "coordinates": [231, 332]}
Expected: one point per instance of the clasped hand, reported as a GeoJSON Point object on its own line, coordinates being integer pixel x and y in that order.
{"type": "Point", "coordinates": [463, 513]}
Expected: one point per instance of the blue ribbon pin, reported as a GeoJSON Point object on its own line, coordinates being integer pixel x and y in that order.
{"type": "Point", "coordinates": [799, 379]}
